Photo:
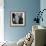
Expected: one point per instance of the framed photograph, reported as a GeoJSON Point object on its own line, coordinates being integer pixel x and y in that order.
{"type": "Point", "coordinates": [17, 18]}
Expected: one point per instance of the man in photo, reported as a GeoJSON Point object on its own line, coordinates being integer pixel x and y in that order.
{"type": "Point", "coordinates": [13, 18]}
{"type": "Point", "coordinates": [20, 19]}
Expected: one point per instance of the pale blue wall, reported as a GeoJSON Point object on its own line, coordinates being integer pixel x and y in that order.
{"type": "Point", "coordinates": [30, 7]}
{"type": "Point", "coordinates": [43, 6]}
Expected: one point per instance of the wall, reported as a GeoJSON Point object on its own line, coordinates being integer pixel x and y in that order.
{"type": "Point", "coordinates": [43, 6]}
{"type": "Point", "coordinates": [30, 7]}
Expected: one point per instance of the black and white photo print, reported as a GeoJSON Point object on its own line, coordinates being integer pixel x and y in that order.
{"type": "Point", "coordinates": [17, 18]}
